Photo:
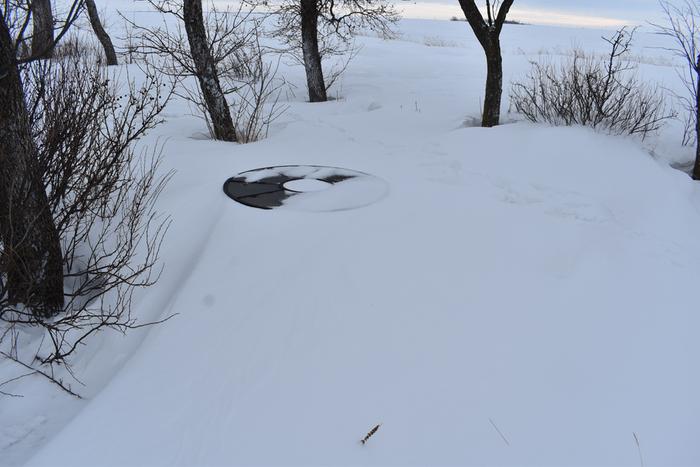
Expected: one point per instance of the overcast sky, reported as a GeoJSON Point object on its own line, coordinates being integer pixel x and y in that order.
{"type": "Point", "coordinates": [629, 10]}
{"type": "Point", "coordinates": [606, 13]}
{"type": "Point", "coordinates": [587, 13]}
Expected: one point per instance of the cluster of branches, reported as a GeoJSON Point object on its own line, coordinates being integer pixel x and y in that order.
{"type": "Point", "coordinates": [32, 22]}
{"type": "Point", "coordinates": [237, 90]}
{"type": "Point", "coordinates": [314, 30]}
{"type": "Point", "coordinates": [101, 194]}
{"type": "Point", "coordinates": [601, 93]}
{"type": "Point", "coordinates": [338, 21]}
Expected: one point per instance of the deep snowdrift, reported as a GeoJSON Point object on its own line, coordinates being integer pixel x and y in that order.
{"type": "Point", "coordinates": [522, 295]}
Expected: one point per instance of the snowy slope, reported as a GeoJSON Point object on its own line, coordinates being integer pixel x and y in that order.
{"type": "Point", "coordinates": [522, 296]}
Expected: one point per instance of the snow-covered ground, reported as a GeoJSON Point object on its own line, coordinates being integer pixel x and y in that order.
{"type": "Point", "coordinates": [523, 295]}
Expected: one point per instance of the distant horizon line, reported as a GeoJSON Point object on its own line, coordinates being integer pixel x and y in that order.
{"type": "Point", "coordinates": [445, 10]}
{"type": "Point", "coordinates": [534, 16]}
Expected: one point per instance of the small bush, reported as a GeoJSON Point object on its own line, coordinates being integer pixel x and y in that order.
{"type": "Point", "coordinates": [102, 191]}
{"type": "Point", "coordinates": [74, 46]}
{"type": "Point", "coordinates": [604, 94]}
{"type": "Point", "coordinates": [249, 83]}
{"type": "Point", "coordinates": [436, 41]}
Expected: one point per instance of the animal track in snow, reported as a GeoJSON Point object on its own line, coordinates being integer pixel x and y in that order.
{"type": "Point", "coordinates": [554, 202]}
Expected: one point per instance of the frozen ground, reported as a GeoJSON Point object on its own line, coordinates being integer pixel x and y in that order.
{"type": "Point", "coordinates": [523, 295]}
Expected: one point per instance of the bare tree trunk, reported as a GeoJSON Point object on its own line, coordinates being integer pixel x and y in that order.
{"type": "Point", "coordinates": [207, 75]}
{"type": "Point", "coordinates": [696, 168]}
{"type": "Point", "coordinates": [494, 85]}
{"type": "Point", "coordinates": [488, 31]}
{"type": "Point", "coordinates": [100, 32]}
{"type": "Point", "coordinates": [42, 29]}
{"type": "Point", "coordinates": [31, 246]}
{"type": "Point", "coordinates": [309, 46]}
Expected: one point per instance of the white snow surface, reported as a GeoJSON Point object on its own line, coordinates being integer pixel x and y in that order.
{"type": "Point", "coordinates": [306, 185]}
{"type": "Point", "coordinates": [523, 295]}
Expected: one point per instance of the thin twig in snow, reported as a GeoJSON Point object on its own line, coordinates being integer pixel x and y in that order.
{"type": "Point", "coordinates": [639, 449]}
{"type": "Point", "coordinates": [505, 440]}
{"type": "Point", "coordinates": [370, 434]}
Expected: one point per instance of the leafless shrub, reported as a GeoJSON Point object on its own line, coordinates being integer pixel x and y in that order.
{"type": "Point", "coordinates": [252, 88]}
{"type": "Point", "coordinates": [85, 120]}
{"type": "Point", "coordinates": [250, 84]}
{"type": "Point", "coordinates": [603, 94]}
{"type": "Point", "coordinates": [256, 95]}
{"type": "Point", "coordinates": [437, 41]}
{"type": "Point", "coordinates": [76, 46]}
{"type": "Point", "coordinates": [129, 45]}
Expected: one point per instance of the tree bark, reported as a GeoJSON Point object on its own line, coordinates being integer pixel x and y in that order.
{"type": "Point", "coordinates": [696, 168]}
{"type": "Point", "coordinates": [488, 33]}
{"type": "Point", "coordinates": [42, 29]}
{"type": "Point", "coordinates": [208, 78]}
{"type": "Point", "coordinates": [100, 32]}
{"type": "Point", "coordinates": [32, 259]}
{"type": "Point", "coordinates": [309, 46]}
{"type": "Point", "coordinates": [494, 85]}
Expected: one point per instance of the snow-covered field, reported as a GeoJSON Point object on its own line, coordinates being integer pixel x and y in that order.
{"type": "Point", "coordinates": [523, 295]}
